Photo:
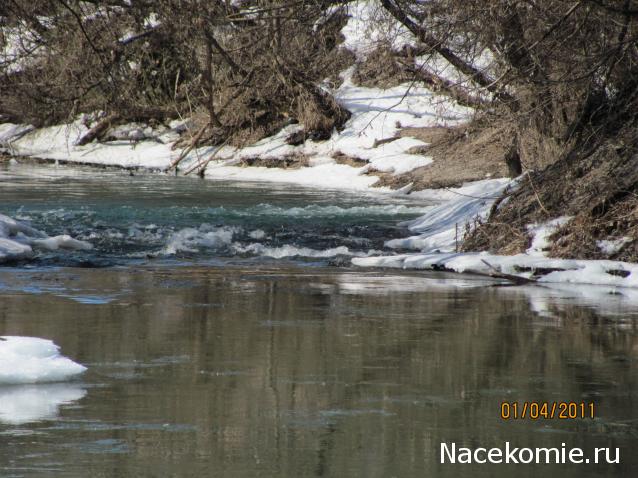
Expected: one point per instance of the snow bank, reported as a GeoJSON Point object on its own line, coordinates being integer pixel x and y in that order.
{"type": "Point", "coordinates": [439, 228]}
{"type": "Point", "coordinates": [437, 244]}
{"type": "Point", "coordinates": [17, 240]}
{"type": "Point", "coordinates": [377, 114]}
{"type": "Point", "coordinates": [443, 226]}
{"type": "Point", "coordinates": [369, 135]}
{"type": "Point", "coordinates": [60, 143]}
{"type": "Point", "coordinates": [597, 272]}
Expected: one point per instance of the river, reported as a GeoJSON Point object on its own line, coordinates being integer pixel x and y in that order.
{"type": "Point", "coordinates": [226, 335]}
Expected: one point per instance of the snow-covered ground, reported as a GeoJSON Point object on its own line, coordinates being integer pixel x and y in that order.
{"type": "Point", "coordinates": [439, 228]}
{"type": "Point", "coordinates": [377, 116]}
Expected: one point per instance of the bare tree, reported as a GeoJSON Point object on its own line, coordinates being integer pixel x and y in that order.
{"type": "Point", "coordinates": [560, 70]}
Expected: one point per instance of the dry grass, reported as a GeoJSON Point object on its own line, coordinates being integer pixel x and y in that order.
{"type": "Point", "coordinates": [381, 70]}
{"type": "Point", "coordinates": [459, 155]}
{"type": "Point", "coordinates": [352, 161]}
{"type": "Point", "coordinates": [286, 162]}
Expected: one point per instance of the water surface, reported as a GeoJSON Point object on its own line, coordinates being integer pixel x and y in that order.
{"type": "Point", "coordinates": [290, 372]}
{"type": "Point", "coordinates": [210, 355]}
{"type": "Point", "coordinates": [154, 217]}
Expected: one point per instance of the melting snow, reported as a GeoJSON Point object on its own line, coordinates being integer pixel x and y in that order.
{"type": "Point", "coordinates": [32, 360]}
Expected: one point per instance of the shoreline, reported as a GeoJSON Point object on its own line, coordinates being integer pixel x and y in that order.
{"type": "Point", "coordinates": [435, 243]}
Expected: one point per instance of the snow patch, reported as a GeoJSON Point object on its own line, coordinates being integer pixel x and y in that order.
{"type": "Point", "coordinates": [542, 232]}
{"type": "Point", "coordinates": [612, 246]}
{"type": "Point", "coordinates": [370, 26]}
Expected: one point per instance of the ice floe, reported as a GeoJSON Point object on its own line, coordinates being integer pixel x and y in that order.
{"type": "Point", "coordinates": [34, 360]}
{"type": "Point", "coordinates": [18, 240]}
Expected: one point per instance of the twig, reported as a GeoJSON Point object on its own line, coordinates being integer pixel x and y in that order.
{"type": "Point", "coordinates": [189, 148]}
{"type": "Point", "coordinates": [501, 275]}
{"type": "Point", "coordinates": [203, 164]}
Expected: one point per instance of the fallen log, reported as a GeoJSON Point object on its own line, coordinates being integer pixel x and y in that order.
{"type": "Point", "coordinates": [97, 130]}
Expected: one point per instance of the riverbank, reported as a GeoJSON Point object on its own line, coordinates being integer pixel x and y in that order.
{"type": "Point", "coordinates": [277, 232]}
{"type": "Point", "coordinates": [401, 138]}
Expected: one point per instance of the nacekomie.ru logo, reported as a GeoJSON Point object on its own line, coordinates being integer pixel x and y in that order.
{"type": "Point", "coordinates": [450, 453]}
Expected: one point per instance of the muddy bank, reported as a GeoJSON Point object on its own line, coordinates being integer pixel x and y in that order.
{"type": "Point", "coordinates": [595, 187]}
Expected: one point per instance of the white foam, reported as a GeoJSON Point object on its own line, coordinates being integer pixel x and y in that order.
{"type": "Point", "coordinates": [34, 360]}
{"type": "Point", "coordinates": [191, 240]}
{"type": "Point", "coordinates": [315, 210]}
{"type": "Point", "coordinates": [257, 234]}
{"type": "Point", "coordinates": [291, 251]}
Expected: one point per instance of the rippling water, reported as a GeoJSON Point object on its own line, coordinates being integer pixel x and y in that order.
{"type": "Point", "coordinates": [149, 216]}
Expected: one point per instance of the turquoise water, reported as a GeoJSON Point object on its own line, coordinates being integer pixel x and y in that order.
{"type": "Point", "coordinates": [150, 217]}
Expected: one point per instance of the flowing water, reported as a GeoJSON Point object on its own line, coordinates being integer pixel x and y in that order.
{"type": "Point", "coordinates": [139, 218]}
{"type": "Point", "coordinates": [210, 356]}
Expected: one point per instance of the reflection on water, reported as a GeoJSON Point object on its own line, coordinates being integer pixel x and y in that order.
{"type": "Point", "coordinates": [273, 372]}
{"type": "Point", "coordinates": [21, 404]}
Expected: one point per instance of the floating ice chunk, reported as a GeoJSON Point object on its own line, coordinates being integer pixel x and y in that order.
{"type": "Point", "coordinates": [62, 242]}
{"type": "Point", "coordinates": [11, 227]}
{"type": "Point", "coordinates": [17, 240]}
{"type": "Point", "coordinates": [13, 250]}
{"type": "Point", "coordinates": [33, 360]}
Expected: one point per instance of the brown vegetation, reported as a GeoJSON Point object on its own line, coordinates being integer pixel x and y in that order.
{"type": "Point", "coordinates": [596, 187]}
{"type": "Point", "coordinates": [564, 76]}
{"type": "Point", "coordinates": [556, 84]}
{"type": "Point", "coordinates": [250, 69]}
{"type": "Point", "coordinates": [460, 154]}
